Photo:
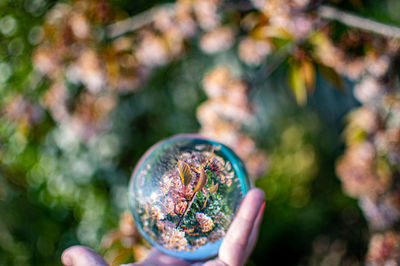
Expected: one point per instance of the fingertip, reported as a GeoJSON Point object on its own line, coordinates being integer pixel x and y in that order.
{"type": "Point", "coordinates": [257, 194]}
{"type": "Point", "coordinates": [66, 259]}
{"type": "Point", "coordinates": [254, 197]}
{"type": "Point", "coordinates": [81, 255]}
{"type": "Point", "coordinates": [67, 255]}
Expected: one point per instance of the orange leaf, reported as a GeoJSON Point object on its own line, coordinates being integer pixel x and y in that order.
{"type": "Point", "coordinates": [202, 180]}
{"type": "Point", "coordinates": [332, 76]}
{"type": "Point", "coordinates": [271, 32]}
{"type": "Point", "coordinates": [307, 70]}
{"type": "Point", "coordinates": [213, 188]}
{"type": "Point", "coordinates": [184, 172]}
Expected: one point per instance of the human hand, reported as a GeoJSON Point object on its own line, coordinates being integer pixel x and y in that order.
{"type": "Point", "coordinates": [235, 249]}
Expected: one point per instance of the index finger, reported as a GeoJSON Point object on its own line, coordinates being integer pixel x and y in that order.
{"type": "Point", "coordinates": [233, 248]}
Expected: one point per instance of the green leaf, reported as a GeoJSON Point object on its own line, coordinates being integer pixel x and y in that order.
{"type": "Point", "coordinates": [297, 84]}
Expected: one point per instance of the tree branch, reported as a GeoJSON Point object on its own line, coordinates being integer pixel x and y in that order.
{"type": "Point", "coordinates": [138, 21]}
{"type": "Point", "coordinates": [329, 12]}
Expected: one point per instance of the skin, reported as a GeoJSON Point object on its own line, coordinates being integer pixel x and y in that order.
{"type": "Point", "coordinates": [237, 246]}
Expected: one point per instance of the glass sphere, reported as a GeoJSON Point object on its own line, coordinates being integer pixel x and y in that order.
{"type": "Point", "coordinates": [184, 193]}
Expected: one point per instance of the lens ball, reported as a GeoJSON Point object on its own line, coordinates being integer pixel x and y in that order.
{"type": "Point", "coordinates": [184, 194]}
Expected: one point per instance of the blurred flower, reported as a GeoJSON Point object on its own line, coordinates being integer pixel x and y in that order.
{"type": "Point", "coordinates": [152, 50]}
{"type": "Point", "coordinates": [302, 25]}
{"type": "Point", "coordinates": [23, 112]}
{"type": "Point", "coordinates": [127, 226]}
{"type": "Point", "coordinates": [360, 124]}
{"type": "Point", "coordinates": [388, 143]}
{"type": "Point", "coordinates": [284, 16]}
{"type": "Point", "coordinates": [382, 212]}
{"type": "Point", "coordinates": [141, 252]}
{"type": "Point", "coordinates": [369, 168]}
{"type": "Point", "coordinates": [217, 40]}
{"type": "Point", "coordinates": [119, 243]}
{"type": "Point", "coordinates": [100, 10]}
{"type": "Point", "coordinates": [175, 41]}
{"type": "Point", "coordinates": [259, 4]}
{"type": "Point", "coordinates": [79, 25]}
{"type": "Point", "coordinates": [46, 61]}
{"type": "Point", "coordinates": [124, 72]}
{"type": "Point", "coordinates": [353, 65]}
{"type": "Point", "coordinates": [223, 114]}
{"type": "Point", "coordinates": [127, 233]}
{"type": "Point", "coordinates": [357, 171]}
{"type": "Point", "coordinates": [253, 51]}
{"type": "Point", "coordinates": [376, 64]}
{"type": "Point", "coordinates": [332, 252]}
{"type": "Point", "coordinates": [184, 18]}
{"type": "Point", "coordinates": [57, 14]}
{"type": "Point", "coordinates": [206, 13]}
{"type": "Point", "coordinates": [368, 89]}
{"type": "Point", "coordinates": [384, 249]}
{"type": "Point", "coordinates": [55, 100]}
{"type": "Point", "coordinates": [163, 21]}
{"type": "Point", "coordinates": [89, 69]}
{"type": "Point", "coordinates": [91, 114]}
{"type": "Point", "coordinates": [215, 81]}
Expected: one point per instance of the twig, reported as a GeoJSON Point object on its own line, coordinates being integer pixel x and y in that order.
{"type": "Point", "coordinates": [187, 209]}
{"type": "Point", "coordinates": [138, 21]}
{"type": "Point", "coordinates": [329, 12]}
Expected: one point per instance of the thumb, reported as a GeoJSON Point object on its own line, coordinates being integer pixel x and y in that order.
{"type": "Point", "coordinates": [82, 256]}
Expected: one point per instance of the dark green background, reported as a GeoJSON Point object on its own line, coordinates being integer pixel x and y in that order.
{"type": "Point", "coordinates": [36, 225]}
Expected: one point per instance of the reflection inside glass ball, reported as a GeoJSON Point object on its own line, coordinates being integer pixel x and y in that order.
{"type": "Point", "coordinates": [184, 193]}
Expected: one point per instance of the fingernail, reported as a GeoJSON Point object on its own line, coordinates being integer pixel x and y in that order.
{"type": "Point", "coordinates": [67, 260]}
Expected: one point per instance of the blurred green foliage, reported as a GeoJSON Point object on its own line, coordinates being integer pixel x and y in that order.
{"type": "Point", "coordinates": [56, 190]}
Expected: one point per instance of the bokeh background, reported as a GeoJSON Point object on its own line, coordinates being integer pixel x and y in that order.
{"type": "Point", "coordinates": [307, 97]}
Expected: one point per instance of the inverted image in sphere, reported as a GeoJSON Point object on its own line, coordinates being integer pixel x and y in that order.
{"type": "Point", "coordinates": [184, 194]}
